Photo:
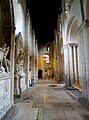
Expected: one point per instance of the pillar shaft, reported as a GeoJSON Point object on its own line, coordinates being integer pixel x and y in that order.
{"type": "Point", "coordinates": [33, 58]}
{"type": "Point", "coordinates": [67, 66]}
{"type": "Point", "coordinates": [36, 60]}
{"type": "Point", "coordinates": [26, 50]}
{"type": "Point", "coordinates": [83, 34]}
{"type": "Point", "coordinates": [12, 51]}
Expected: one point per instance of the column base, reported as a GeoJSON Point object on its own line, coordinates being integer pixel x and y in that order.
{"type": "Point", "coordinates": [17, 96]}
{"type": "Point", "coordinates": [10, 113]}
{"type": "Point", "coordinates": [70, 88]}
{"type": "Point", "coordinates": [17, 93]}
{"type": "Point", "coordinates": [84, 101]}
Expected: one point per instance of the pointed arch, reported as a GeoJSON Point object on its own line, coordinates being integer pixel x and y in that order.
{"type": "Point", "coordinates": [72, 19]}
{"type": "Point", "coordinates": [73, 30]}
{"type": "Point", "coordinates": [73, 54]}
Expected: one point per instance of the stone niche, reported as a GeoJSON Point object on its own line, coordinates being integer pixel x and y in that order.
{"type": "Point", "coordinates": [5, 82]}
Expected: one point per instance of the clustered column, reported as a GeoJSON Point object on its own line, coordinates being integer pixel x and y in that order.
{"type": "Point", "coordinates": [33, 57]}
{"type": "Point", "coordinates": [36, 61]}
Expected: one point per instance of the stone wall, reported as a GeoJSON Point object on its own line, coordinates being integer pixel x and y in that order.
{"type": "Point", "coordinates": [5, 83]}
{"type": "Point", "coordinates": [75, 41]}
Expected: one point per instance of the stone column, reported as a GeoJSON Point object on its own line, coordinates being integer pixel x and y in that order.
{"type": "Point", "coordinates": [71, 63]}
{"type": "Point", "coordinates": [78, 65]}
{"type": "Point", "coordinates": [36, 61]}
{"type": "Point", "coordinates": [17, 87]}
{"type": "Point", "coordinates": [26, 50]}
{"type": "Point", "coordinates": [86, 50]}
{"type": "Point", "coordinates": [12, 53]}
{"type": "Point", "coordinates": [33, 57]}
{"type": "Point", "coordinates": [83, 34]}
{"type": "Point", "coordinates": [82, 67]}
{"type": "Point", "coordinates": [75, 64]}
{"type": "Point", "coordinates": [57, 54]}
{"type": "Point", "coordinates": [59, 71]}
{"type": "Point", "coordinates": [67, 66]}
{"type": "Point", "coordinates": [65, 61]}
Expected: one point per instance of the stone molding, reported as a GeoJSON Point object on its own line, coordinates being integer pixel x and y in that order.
{"type": "Point", "coordinates": [70, 45]}
{"type": "Point", "coordinates": [83, 26]}
{"type": "Point", "coordinates": [73, 44]}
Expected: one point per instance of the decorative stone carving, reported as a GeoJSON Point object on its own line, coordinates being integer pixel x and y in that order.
{"type": "Point", "coordinates": [6, 63]}
{"type": "Point", "coordinates": [20, 85]}
{"type": "Point", "coordinates": [5, 83]}
{"type": "Point", "coordinates": [68, 5]}
{"type": "Point", "coordinates": [1, 59]}
{"type": "Point", "coordinates": [20, 58]}
{"type": "Point", "coordinates": [21, 74]}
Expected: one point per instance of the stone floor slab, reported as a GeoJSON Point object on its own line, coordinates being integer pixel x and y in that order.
{"type": "Point", "coordinates": [53, 100]}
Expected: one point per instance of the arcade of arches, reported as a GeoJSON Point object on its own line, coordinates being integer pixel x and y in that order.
{"type": "Point", "coordinates": [66, 59]}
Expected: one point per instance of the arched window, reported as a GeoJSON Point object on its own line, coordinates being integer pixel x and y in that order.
{"type": "Point", "coordinates": [46, 58]}
{"type": "Point", "coordinates": [48, 48]}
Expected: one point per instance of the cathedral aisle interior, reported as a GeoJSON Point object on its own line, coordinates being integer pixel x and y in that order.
{"type": "Point", "coordinates": [44, 46]}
